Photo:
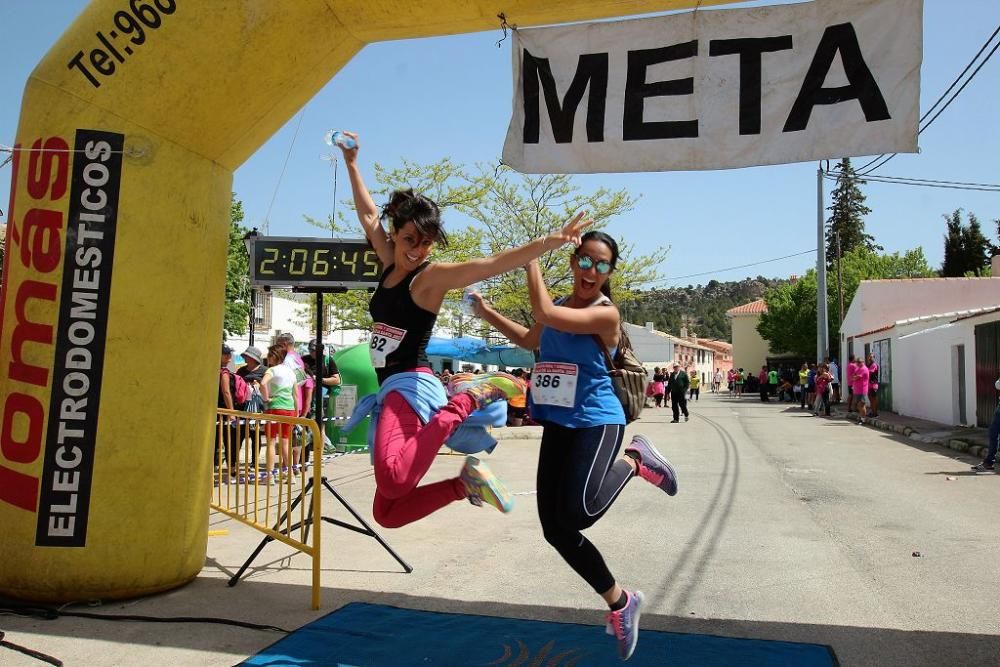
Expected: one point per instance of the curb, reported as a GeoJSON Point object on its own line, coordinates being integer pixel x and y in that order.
{"type": "Point", "coordinates": [954, 444]}
{"type": "Point", "coordinates": [503, 433]}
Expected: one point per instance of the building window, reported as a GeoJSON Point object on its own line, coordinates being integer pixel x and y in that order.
{"type": "Point", "coordinates": [261, 309]}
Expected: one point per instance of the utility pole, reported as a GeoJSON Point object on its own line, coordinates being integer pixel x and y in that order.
{"type": "Point", "coordinates": [840, 288]}
{"type": "Point", "coordinates": [822, 329]}
{"type": "Point", "coordinates": [332, 159]}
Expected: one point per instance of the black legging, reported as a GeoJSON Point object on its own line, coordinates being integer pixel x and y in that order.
{"type": "Point", "coordinates": [579, 477]}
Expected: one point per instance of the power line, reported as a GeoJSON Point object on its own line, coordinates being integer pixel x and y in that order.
{"type": "Point", "coordinates": [961, 74]}
{"type": "Point", "coordinates": [939, 100]}
{"type": "Point", "coordinates": [920, 182]}
{"type": "Point", "coordinates": [732, 268]}
{"type": "Point", "coordinates": [967, 81]}
{"type": "Point", "coordinates": [267, 216]}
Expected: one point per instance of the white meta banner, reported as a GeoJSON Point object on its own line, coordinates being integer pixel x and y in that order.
{"type": "Point", "coordinates": [718, 89]}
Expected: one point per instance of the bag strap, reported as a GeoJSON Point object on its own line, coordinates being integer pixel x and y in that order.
{"type": "Point", "coordinates": [600, 301]}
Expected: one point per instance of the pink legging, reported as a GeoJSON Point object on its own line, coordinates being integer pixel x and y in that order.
{"type": "Point", "coordinates": [404, 451]}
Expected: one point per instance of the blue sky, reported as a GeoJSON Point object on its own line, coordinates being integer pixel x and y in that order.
{"type": "Point", "coordinates": [450, 96]}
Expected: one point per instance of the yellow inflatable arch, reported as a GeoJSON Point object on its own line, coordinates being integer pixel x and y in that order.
{"type": "Point", "coordinates": [130, 131]}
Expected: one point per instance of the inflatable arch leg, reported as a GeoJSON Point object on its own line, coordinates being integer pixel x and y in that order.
{"type": "Point", "coordinates": [130, 131]}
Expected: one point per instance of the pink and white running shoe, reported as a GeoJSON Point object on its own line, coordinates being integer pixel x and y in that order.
{"type": "Point", "coordinates": [653, 466]}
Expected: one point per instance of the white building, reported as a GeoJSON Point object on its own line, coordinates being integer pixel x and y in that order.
{"type": "Point", "coordinates": [936, 342]}
{"type": "Point", "coordinates": [656, 348]}
{"type": "Point", "coordinates": [653, 348]}
{"type": "Point", "coordinates": [938, 366]}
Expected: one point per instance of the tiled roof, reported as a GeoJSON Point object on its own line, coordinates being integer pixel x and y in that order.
{"type": "Point", "coordinates": [982, 311]}
{"type": "Point", "coordinates": [686, 342]}
{"type": "Point", "coordinates": [752, 308]}
{"type": "Point", "coordinates": [954, 316]}
{"type": "Point", "coordinates": [718, 345]}
{"type": "Point", "coordinates": [954, 279]}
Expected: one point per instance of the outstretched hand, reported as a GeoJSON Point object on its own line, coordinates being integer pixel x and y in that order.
{"type": "Point", "coordinates": [573, 230]}
{"type": "Point", "coordinates": [351, 154]}
{"type": "Point", "coordinates": [478, 304]}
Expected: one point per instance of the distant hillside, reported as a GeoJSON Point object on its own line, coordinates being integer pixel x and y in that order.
{"type": "Point", "coordinates": [706, 305]}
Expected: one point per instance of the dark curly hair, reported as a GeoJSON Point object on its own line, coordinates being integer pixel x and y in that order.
{"type": "Point", "coordinates": [408, 206]}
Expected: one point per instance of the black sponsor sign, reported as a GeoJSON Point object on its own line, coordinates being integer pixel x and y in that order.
{"type": "Point", "coordinates": [78, 368]}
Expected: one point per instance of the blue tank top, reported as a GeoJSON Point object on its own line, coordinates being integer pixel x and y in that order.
{"type": "Point", "coordinates": [595, 403]}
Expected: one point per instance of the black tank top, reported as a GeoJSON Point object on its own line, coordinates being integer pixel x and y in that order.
{"type": "Point", "coordinates": [401, 324]}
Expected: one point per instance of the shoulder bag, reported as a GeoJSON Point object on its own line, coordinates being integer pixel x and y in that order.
{"type": "Point", "coordinates": [628, 376]}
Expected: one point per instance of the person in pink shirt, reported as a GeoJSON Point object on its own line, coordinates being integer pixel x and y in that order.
{"type": "Point", "coordinates": [849, 381]}
{"type": "Point", "coordinates": [859, 387]}
{"type": "Point", "coordinates": [872, 383]}
{"type": "Point", "coordinates": [823, 380]}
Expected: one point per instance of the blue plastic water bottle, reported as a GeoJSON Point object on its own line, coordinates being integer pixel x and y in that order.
{"type": "Point", "coordinates": [468, 303]}
{"type": "Point", "coordinates": [338, 138]}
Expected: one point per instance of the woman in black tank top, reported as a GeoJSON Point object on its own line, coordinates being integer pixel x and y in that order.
{"type": "Point", "coordinates": [404, 309]}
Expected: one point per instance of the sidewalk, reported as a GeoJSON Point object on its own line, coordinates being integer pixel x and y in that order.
{"type": "Point", "coordinates": [965, 439]}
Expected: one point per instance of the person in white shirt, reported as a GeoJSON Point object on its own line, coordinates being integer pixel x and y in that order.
{"type": "Point", "coordinates": [835, 372]}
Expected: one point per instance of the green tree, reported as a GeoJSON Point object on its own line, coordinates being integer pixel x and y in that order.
{"type": "Point", "coordinates": [967, 251]}
{"type": "Point", "coordinates": [238, 291]}
{"type": "Point", "coordinates": [706, 304]}
{"type": "Point", "coordinates": [789, 325]}
{"type": "Point", "coordinates": [978, 248]}
{"type": "Point", "coordinates": [847, 215]}
{"type": "Point", "coordinates": [866, 265]}
{"type": "Point", "coordinates": [953, 264]}
{"type": "Point", "coordinates": [507, 209]}
{"type": "Point", "coordinates": [521, 207]}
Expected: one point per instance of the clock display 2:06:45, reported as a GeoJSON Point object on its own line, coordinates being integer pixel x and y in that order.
{"type": "Point", "coordinates": [319, 262]}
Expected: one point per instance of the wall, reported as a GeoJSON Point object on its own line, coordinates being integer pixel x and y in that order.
{"type": "Point", "coordinates": [705, 367]}
{"type": "Point", "coordinates": [925, 382]}
{"type": "Point", "coordinates": [750, 351]}
{"type": "Point", "coordinates": [721, 360]}
{"type": "Point", "coordinates": [651, 347]}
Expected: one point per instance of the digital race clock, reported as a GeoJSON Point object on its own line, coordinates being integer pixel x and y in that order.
{"type": "Point", "coordinates": [285, 261]}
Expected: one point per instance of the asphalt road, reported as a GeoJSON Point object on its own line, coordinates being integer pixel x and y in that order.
{"type": "Point", "coordinates": [786, 527]}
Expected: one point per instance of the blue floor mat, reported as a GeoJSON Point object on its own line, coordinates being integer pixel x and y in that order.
{"type": "Point", "coordinates": [366, 634]}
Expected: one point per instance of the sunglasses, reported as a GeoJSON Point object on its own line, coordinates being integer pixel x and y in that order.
{"type": "Point", "coordinates": [586, 262]}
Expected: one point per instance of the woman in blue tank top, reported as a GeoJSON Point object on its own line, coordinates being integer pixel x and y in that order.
{"type": "Point", "coordinates": [579, 472]}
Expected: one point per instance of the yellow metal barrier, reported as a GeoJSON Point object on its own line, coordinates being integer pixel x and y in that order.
{"type": "Point", "coordinates": [265, 497]}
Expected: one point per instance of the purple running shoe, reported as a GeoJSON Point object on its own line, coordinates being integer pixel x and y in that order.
{"type": "Point", "coordinates": [624, 624]}
{"type": "Point", "coordinates": [653, 466]}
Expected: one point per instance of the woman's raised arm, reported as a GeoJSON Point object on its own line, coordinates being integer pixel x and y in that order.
{"type": "Point", "coordinates": [516, 333]}
{"type": "Point", "coordinates": [442, 277]}
{"type": "Point", "coordinates": [368, 212]}
{"type": "Point", "coordinates": [601, 321]}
